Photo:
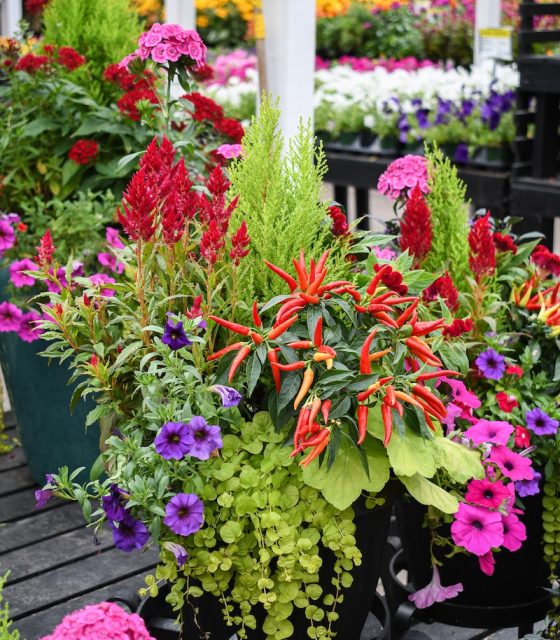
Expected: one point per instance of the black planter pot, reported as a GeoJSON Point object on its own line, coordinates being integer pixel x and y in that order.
{"type": "Point", "coordinates": [518, 578]}
{"type": "Point", "coordinates": [493, 157]}
{"type": "Point", "coordinates": [372, 527]}
{"type": "Point", "coordinates": [386, 146]}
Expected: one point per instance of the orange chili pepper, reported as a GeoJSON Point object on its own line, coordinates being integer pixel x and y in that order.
{"type": "Point", "coordinates": [373, 357]}
{"type": "Point", "coordinates": [281, 328]}
{"type": "Point", "coordinates": [256, 337]}
{"type": "Point", "coordinates": [319, 448]}
{"type": "Point", "coordinates": [307, 381]}
{"type": "Point", "coordinates": [301, 275]}
{"type": "Point", "coordinates": [285, 276]}
{"type": "Point", "coordinates": [243, 353]}
{"type": "Point", "coordinates": [300, 344]}
{"type": "Point", "coordinates": [222, 352]}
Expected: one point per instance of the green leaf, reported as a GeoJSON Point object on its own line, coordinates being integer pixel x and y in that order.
{"type": "Point", "coordinates": [288, 391]}
{"type": "Point", "coordinates": [126, 352]}
{"type": "Point", "coordinates": [254, 369]}
{"type": "Point", "coordinates": [69, 170]}
{"type": "Point", "coordinates": [428, 493]}
{"type": "Point", "coordinates": [454, 356]}
{"type": "Point", "coordinates": [38, 126]}
{"type": "Point", "coordinates": [461, 463]}
{"type": "Point", "coordinates": [231, 531]}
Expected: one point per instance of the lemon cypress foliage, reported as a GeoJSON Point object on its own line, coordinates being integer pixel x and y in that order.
{"type": "Point", "coordinates": [279, 198]}
{"type": "Point", "coordinates": [450, 220]}
{"type": "Point", "coordinates": [6, 633]}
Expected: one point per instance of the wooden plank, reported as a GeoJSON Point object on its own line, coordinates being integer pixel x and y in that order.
{"type": "Point", "coordinates": [42, 526]}
{"type": "Point", "coordinates": [15, 480]}
{"type": "Point", "coordinates": [32, 560]}
{"type": "Point", "coordinates": [40, 624]}
{"type": "Point", "coordinates": [20, 505]}
{"type": "Point", "coordinates": [75, 579]}
{"type": "Point", "coordinates": [12, 460]}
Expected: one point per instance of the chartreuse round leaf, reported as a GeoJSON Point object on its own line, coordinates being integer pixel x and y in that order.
{"type": "Point", "coordinates": [412, 454]}
{"type": "Point", "coordinates": [428, 493]}
{"type": "Point", "coordinates": [230, 531]}
{"type": "Point", "coordinates": [461, 463]}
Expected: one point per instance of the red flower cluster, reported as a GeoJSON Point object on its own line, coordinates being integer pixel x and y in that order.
{"type": "Point", "coordinates": [69, 58]}
{"type": "Point", "coordinates": [203, 73]}
{"type": "Point", "coordinates": [504, 242]}
{"type": "Point", "coordinates": [35, 6]}
{"type": "Point", "coordinates": [239, 244]}
{"type": "Point", "coordinates": [231, 128]}
{"type": "Point", "coordinates": [458, 327]}
{"type": "Point", "coordinates": [339, 223]}
{"type": "Point", "coordinates": [391, 279]}
{"type": "Point", "coordinates": [84, 151]}
{"type": "Point", "coordinates": [46, 249]}
{"type": "Point", "coordinates": [30, 63]}
{"type": "Point", "coordinates": [482, 258]}
{"type": "Point", "coordinates": [546, 260]}
{"type": "Point", "coordinates": [506, 402]}
{"type": "Point", "coordinates": [139, 206]}
{"type": "Point", "coordinates": [126, 80]}
{"type": "Point", "coordinates": [127, 102]}
{"type": "Point", "coordinates": [443, 287]}
{"type": "Point", "coordinates": [204, 108]}
{"type": "Point", "coordinates": [416, 226]}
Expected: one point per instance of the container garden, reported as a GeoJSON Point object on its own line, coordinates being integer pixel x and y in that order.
{"type": "Point", "coordinates": [493, 157]}
{"type": "Point", "coordinates": [372, 527]}
{"type": "Point", "coordinates": [518, 578]}
{"type": "Point", "coordinates": [386, 146]}
{"type": "Point", "coordinates": [51, 436]}
{"type": "Point", "coordinates": [415, 148]}
{"type": "Point", "coordinates": [323, 136]}
{"type": "Point", "coordinates": [348, 141]}
{"type": "Point", "coordinates": [367, 140]}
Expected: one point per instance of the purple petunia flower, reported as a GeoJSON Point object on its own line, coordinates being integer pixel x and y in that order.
{"type": "Point", "coordinates": [230, 396]}
{"type": "Point", "coordinates": [529, 487]}
{"type": "Point", "coordinates": [174, 336]}
{"type": "Point", "coordinates": [461, 153]}
{"type": "Point", "coordinates": [20, 279]}
{"type": "Point", "coordinates": [180, 553]}
{"type": "Point", "coordinates": [129, 534]}
{"type": "Point", "coordinates": [7, 235]}
{"type": "Point", "coordinates": [491, 364]}
{"type": "Point", "coordinates": [113, 504]}
{"type": "Point", "coordinates": [541, 423]}
{"type": "Point", "coordinates": [434, 592]}
{"type": "Point", "coordinates": [205, 438]}
{"type": "Point", "coordinates": [173, 441]}
{"type": "Point", "coordinates": [184, 514]}
{"type": "Point", "coordinates": [42, 496]}
{"type": "Point", "coordinates": [10, 317]}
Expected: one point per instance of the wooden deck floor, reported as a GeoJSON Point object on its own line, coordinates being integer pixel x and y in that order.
{"type": "Point", "coordinates": [55, 565]}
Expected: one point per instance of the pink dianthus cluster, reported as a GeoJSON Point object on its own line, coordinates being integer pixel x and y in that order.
{"type": "Point", "coordinates": [103, 620]}
{"type": "Point", "coordinates": [165, 43]}
{"type": "Point", "coordinates": [402, 175]}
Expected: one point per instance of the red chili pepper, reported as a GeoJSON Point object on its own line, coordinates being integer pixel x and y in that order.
{"type": "Point", "coordinates": [382, 297]}
{"type": "Point", "coordinates": [301, 275]}
{"type": "Point", "coordinates": [436, 374]}
{"type": "Point", "coordinates": [427, 395]}
{"type": "Point", "coordinates": [400, 409]}
{"type": "Point", "coordinates": [256, 318]}
{"type": "Point", "coordinates": [386, 319]}
{"type": "Point", "coordinates": [285, 276]}
{"type": "Point", "coordinates": [310, 299]}
{"type": "Point", "coordinates": [423, 351]}
{"type": "Point", "coordinates": [288, 308]}
{"type": "Point", "coordinates": [292, 366]}
{"type": "Point", "coordinates": [307, 381]}
{"type": "Point", "coordinates": [387, 417]}
{"type": "Point", "coordinates": [429, 422]}
{"type": "Point", "coordinates": [325, 410]}
{"type": "Point", "coordinates": [243, 353]}
{"type": "Point", "coordinates": [232, 326]}
{"type": "Point", "coordinates": [400, 299]}
{"type": "Point", "coordinates": [315, 406]}
{"type": "Point", "coordinates": [318, 333]}
{"type": "Point", "coordinates": [300, 344]}
{"type": "Point", "coordinates": [405, 315]}
{"type": "Point", "coordinates": [222, 352]}
{"type": "Point", "coordinates": [363, 411]}
{"type": "Point", "coordinates": [351, 292]}
{"type": "Point", "coordinates": [316, 282]}
{"type": "Point", "coordinates": [333, 285]}
{"type": "Point", "coordinates": [428, 408]}
{"type": "Point", "coordinates": [360, 309]}
{"type": "Point", "coordinates": [391, 396]}
{"type": "Point", "coordinates": [319, 448]}
{"type": "Point", "coordinates": [281, 328]}
{"type": "Point", "coordinates": [312, 270]}
{"type": "Point", "coordinates": [302, 420]}
{"type": "Point", "coordinates": [322, 261]}
{"type": "Point", "coordinates": [423, 328]}
{"type": "Point", "coordinates": [376, 308]}
{"type": "Point", "coordinates": [256, 337]}
{"type": "Point", "coordinates": [273, 360]}
{"type": "Point", "coordinates": [376, 278]}
{"type": "Point", "coordinates": [365, 364]}
{"type": "Point", "coordinates": [413, 364]}
{"type": "Point", "coordinates": [405, 397]}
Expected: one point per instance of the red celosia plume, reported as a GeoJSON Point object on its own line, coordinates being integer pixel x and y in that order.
{"type": "Point", "coordinates": [46, 249]}
{"type": "Point", "coordinates": [482, 258]}
{"type": "Point", "coordinates": [240, 244]}
{"type": "Point", "coordinates": [139, 206]}
{"type": "Point", "coordinates": [416, 226]}
{"type": "Point", "coordinates": [443, 287]}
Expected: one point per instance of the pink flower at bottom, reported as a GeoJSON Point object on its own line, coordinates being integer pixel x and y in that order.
{"type": "Point", "coordinates": [514, 532]}
{"type": "Point", "coordinates": [513, 465]}
{"type": "Point", "coordinates": [10, 317]}
{"type": "Point", "coordinates": [487, 563]}
{"type": "Point", "coordinates": [477, 529]}
{"type": "Point", "coordinates": [28, 330]}
{"type": "Point", "coordinates": [434, 592]}
{"type": "Point", "coordinates": [487, 494]}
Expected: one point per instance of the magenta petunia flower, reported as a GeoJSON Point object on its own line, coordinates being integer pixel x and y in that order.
{"type": "Point", "coordinates": [10, 317]}
{"type": "Point", "coordinates": [99, 279]}
{"type": "Point", "coordinates": [205, 438]}
{"type": "Point", "coordinates": [17, 275]}
{"type": "Point", "coordinates": [184, 514]}
{"type": "Point", "coordinates": [173, 441]}
{"type": "Point", "coordinates": [113, 238]}
{"type": "Point", "coordinates": [513, 465]}
{"type": "Point", "coordinates": [229, 151]}
{"type": "Point", "coordinates": [494, 431]}
{"type": "Point", "coordinates": [7, 235]}
{"type": "Point", "coordinates": [29, 331]}
{"type": "Point", "coordinates": [434, 592]}
{"type": "Point", "coordinates": [492, 365]}
{"type": "Point", "coordinates": [486, 563]}
{"type": "Point", "coordinates": [486, 494]}
{"type": "Point", "coordinates": [110, 261]}
{"type": "Point", "coordinates": [541, 423]}
{"type": "Point", "coordinates": [477, 529]}
{"type": "Point", "coordinates": [514, 532]}
{"type": "Point", "coordinates": [461, 394]}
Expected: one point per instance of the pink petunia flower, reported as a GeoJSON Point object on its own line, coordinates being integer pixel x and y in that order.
{"type": "Point", "coordinates": [17, 276]}
{"type": "Point", "coordinates": [486, 494]}
{"type": "Point", "coordinates": [486, 563]}
{"type": "Point", "coordinates": [99, 279]}
{"type": "Point", "coordinates": [494, 431]}
{"type": "Point", "coordinates": [434, 592]}
{"type": "Point", "coordinates": [461, 394]}
{"type": "Point", "coordinates": [10, 317]}
{"type": "Point", "coordinates": [514, 532]}
{"type": "Point", "coordinates": [513, 465]}
{"type": "Point", "coordinates": [28, 330]}
{"type": "Point", "coordinates": [110, 261]}
{"type": "Point", "coordinates": [113, 238]}
{"type": "Point", "coordinates": [229, 151]}
{"type": "Point", "coordinates": [477, 529]}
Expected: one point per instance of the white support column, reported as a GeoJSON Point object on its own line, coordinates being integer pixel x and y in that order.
{"type": "Point", "coordinates": [488, 14]}
{"type": "Point", "coordinates": [290, 59]}
{"type": "Point", "coordinates": [181, 12]}
{"type": "Point", "coordinates": [10, 15]}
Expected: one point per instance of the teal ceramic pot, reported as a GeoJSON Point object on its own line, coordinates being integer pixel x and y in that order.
{"type": "Point", "coordinates": [40, 397]}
